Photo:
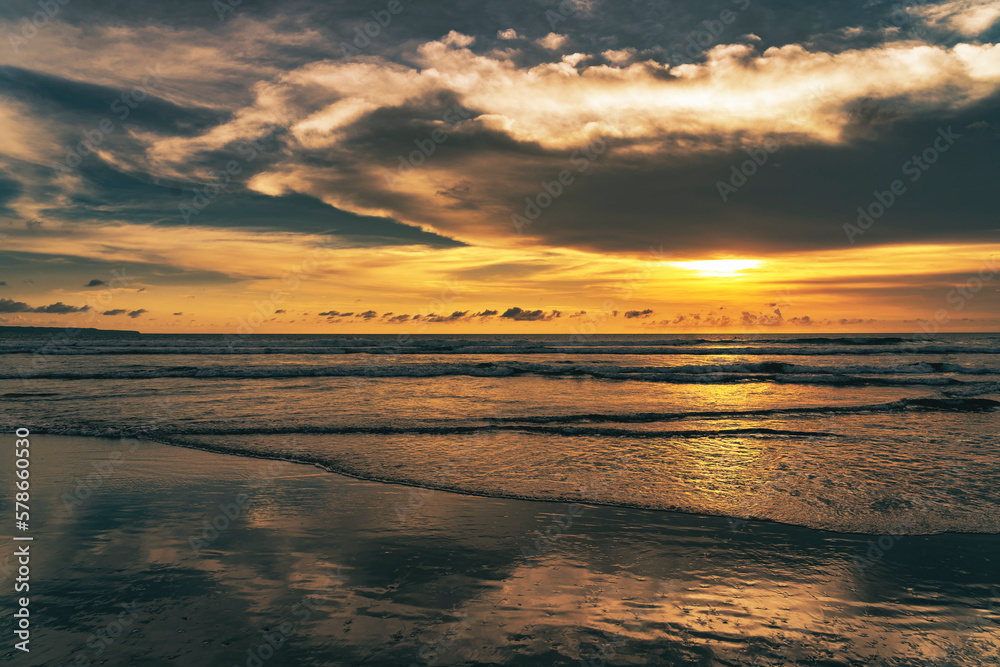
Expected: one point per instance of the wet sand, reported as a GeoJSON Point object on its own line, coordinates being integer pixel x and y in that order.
{"type": "Point", "coordinates": [306, 567]}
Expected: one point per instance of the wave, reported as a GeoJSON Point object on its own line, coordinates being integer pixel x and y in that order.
{"type": "Point", "coordinates": [798, 488]}
{"type": "Point", "coordinates": [481, 350]}
{"type": "Point", "coordinates": [438, 346]}
{"type": "Point", "coordinates": [551, 424]}
{"type": "Point", "coordinates": [852, 480]}
{"type": "Point", "coordinates": [904, 405]}
{"type": "Point", "coordinates": [929, 374]}
{"type": "Point", "coordinates": [435, 430]}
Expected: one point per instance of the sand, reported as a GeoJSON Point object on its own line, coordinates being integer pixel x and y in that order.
{"type": "Point", "coordinates": [306, 567]}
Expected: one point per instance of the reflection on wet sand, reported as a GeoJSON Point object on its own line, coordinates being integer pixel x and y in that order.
{"type": "Point", "coordinates": [315, 568]}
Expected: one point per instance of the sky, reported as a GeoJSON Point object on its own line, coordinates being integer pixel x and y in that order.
{"type": "Point", "coordinates": [548, 166]}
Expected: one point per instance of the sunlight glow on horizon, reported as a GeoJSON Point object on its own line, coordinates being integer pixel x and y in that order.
{"type": "Point", "coordinates": [720, 268]}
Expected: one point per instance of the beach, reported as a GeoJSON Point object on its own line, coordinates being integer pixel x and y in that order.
{"type": "Point", "coordinates": [517, 333]}
{"type": "Point", "coordinates": [150, 554]}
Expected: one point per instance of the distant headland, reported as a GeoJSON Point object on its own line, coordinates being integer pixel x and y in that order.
{"type": "Point", "coordinates": [16, 331]}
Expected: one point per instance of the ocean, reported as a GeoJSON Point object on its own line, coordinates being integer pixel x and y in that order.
{"type": "Point", "coordinates": [876, 434]}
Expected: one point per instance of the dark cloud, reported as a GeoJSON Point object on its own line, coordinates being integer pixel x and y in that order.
{"type": "Point", "coordinates": [367, 315]}
{"type": "Point", "coordinates": [9, 306]}
{"type": "Point", "coordinates": [143, 198]}
{"type": "Point", "coordinates": [58, 308]}
{"type": "Point", "coordinates": [95, 283]}
{"type": "Point", "coordinates": [89, 103]}
{"type": "Point", "coordinates": [10, 189]}
{"type": "Point", "coordinates": [305, 214]}
{"type": "Point", "coordinates": [456, 316]}
{"type": "Point", "coordinates": [54, 271]}
{"type": "Point", "coordinates": [774, 319]}
{"type": "Point", "coordinates": [178, 314]}
{"type": "Point", "coordinates": [632, 314]}
{"type": "Point", "coordinates": [784, 206]}
{"type": "Point", "coordinates": [136, 313]}
{"type": "Point", "coordinates": [116, 311]}
{"type": "Point", "coordinates": [61, 308]}
{"type": "Point", "coordinates": [710, 319]}
{"type": "Point", "coordinates": [279, 312]}
{"type": "Point", "coordinates": [520, 315]}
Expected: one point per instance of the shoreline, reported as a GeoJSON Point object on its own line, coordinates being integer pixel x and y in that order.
{"type": "Point", "coordinates": [326, 468]}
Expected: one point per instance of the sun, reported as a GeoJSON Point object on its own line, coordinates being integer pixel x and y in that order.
{"type": "Point", "coordinates": [720, 268]}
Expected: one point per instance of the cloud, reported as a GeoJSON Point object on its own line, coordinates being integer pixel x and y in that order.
{"type": "Point", "coordinates": [95, 283]}
{"type": "Point", "coordinates": [178, 314]}
{"type": "Point", "coordinates": [58, 308]}
{"type": "Point", "coordinates": [279, 312]}
{"type": "Point", "coordinates": [457, 39]}
{"type": "Point", "coordinates": [368, 315]}
{"type": "Point", "coordinates": [527, 124]}
{"type": "Point", "coordinates": [136, 313]}
{"type": "Point", "coordinates": [775, 319]}
{"type": "Point", "coordinates": [711, 319]}
{"type": "Point", "coordinates": [116, 311]}
{"type": "Point", "coordinates": [965, 17]}
{"type": "Point", "coordinates": [737, 95]}
{"type": "Point", "coordinates": [507, 34]}
{"type": "Point", "coordinates": [456, 316]}
{"type": "Point", "coordinates": [620, 56]}
{"type": "Point", "coordinates": [346, 122]}
{"type": "Point", "coordinates": [9, 306]}
{"type": "Point", "coordinates": [633, 314]}
{"type": "Point", "coordinates": [553, 41]}
{"type": "Point", "coordinates": [433, 318]}
{"type": "Point", "coordinates": [520, 315]}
